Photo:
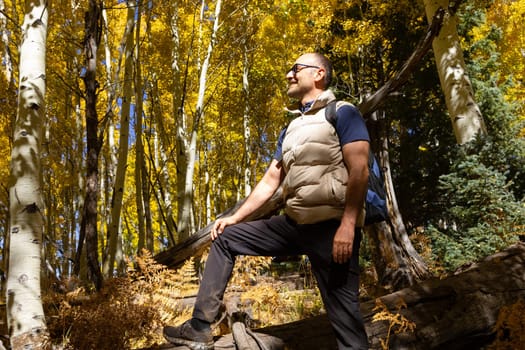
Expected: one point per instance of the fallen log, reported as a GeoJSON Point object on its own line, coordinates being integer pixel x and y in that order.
{"type": "Point", "coordinates": [458, 312]}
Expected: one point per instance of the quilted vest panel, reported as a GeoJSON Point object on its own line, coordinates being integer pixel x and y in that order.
{"type": "Point", "coordinates": [315, 184]}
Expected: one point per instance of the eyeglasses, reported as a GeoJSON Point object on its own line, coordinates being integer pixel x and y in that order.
{"type": "Point", "coordinates": [296, 68]}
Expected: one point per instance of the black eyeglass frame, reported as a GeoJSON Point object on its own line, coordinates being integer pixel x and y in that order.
{"type": "Point", "coordinates": [295, 68]}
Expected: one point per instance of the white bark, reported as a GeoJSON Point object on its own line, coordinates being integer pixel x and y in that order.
{"type": "Point", "coordinates": [184, 230]}
{"type": "Point", "coordinates": [246, 121]}
{"type": "Point", "coordinates": [464, 113]}
{"type": "Point", "coordinates": [120, 176]}
{"type": "Point", "coordinates": [106, 183]}
{"type": "Point", "coordinates": [25, 314]}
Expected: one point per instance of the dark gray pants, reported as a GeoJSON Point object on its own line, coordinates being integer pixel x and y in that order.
{"type": "Point", "coordinates": [281, 236]}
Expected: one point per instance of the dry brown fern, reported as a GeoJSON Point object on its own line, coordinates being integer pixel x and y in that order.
{"type": "Point", "coordinates": [130, 311]}
{"type": "Point", "coordinates": [127, 313]}
{"type": "Point", "coordinates": [397, 323]}
{"type": "Point", "coordinates": [271, 303]}
{"type": "Point", "coordinates": [510, 328]}
{"type": "Point", "coordinates": [247, 269]}
{"type": "Point", "coordinates": [114, 318]}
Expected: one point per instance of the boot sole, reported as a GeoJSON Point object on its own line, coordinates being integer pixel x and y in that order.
{"type": "Point", "coordinates": [193, 345]}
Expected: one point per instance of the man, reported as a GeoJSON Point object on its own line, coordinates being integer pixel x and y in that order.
{"type": "Point", "coordinates": [324, 175]}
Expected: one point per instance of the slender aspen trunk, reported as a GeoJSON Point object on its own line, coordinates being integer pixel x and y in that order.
{"type": "Point", "coordinates": [110, 153]}
{"type": "Point", "coordinates": [25, 314]}
{"type": "Point", "coordinates": [6, 59]}
{"type": "Point", "coordinates": [160, 163]}
{"type": "Point", "coordinates": [88, 226]}
{"type": "Point", "coordinates": [114, 232]}
{"type": "Point", "coordinates": [246, 120]}
{"type": "Point", "coordinates": [464, 113]}
{"type": "Point", "coordinates": [141, 175]}
{"type": "Point", "coordinates": [185, 219]}
{"type": "Point", "coordinates": [180, 127]}
{"type": "Point", "coordinates": [73, 158]}
{"type": "Point", "coordinates": [80, 264]}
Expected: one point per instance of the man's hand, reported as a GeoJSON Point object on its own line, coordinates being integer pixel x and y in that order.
{"type": "Point", "coordinates": [343, 244]}
{"type": "Point", "coordinates": [261, 194]}
{"type": "Point", "coordinates": [220, 225]}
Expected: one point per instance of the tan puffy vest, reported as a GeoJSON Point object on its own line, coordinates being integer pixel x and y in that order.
{"type": "Point", "coordinates": [314, 187]}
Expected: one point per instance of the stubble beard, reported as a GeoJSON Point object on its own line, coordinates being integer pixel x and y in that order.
{"type": "Point", "coordinates": [294, 91]}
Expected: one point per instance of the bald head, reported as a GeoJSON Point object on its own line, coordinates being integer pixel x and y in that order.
{"type": "Point", "coordinates": [320, 60]}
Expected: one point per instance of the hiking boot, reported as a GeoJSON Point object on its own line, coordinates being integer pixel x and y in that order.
{"type": "Point", "coordinates": [185, 334]}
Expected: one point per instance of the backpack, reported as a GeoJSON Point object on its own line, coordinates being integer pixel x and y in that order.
{"type": "Point", "coordinates": [375, 202]}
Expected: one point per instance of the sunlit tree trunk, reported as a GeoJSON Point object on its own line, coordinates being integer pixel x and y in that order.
{"type": "Point", "coordinates": [7, 62]}
{"type": "Point", "coordinates": [88, 226]}
{"type": "Point", "coordinates": [25, 314]}
{"type": "Point", "coordinates": [141, 174]}
{"type": "Point", "coordinates": [110, 150]}
{"type": "Point", "coordinates": [207, 208]}
{"type": "Point", "coordinates": [185, 218]}
{"type": "Point", "coordinates": [179, 89]}
{"type": "Point", "coordinates": [114, 233]}
{"type": "Point", "coordinates": [464, 113]}
{"type": "Point", "coordinates": [160, 163]}
{"type": "Point", "coordinates": [246, 118]}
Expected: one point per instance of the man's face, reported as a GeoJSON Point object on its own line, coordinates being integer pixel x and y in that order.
{"type": "Point", "coordinates": [301, 77]}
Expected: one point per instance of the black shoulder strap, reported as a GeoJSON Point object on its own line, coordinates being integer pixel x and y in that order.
{"type": "Point", "coordinates": [331, 117]}
{"type": "Point", "coordinates": [331, 112]}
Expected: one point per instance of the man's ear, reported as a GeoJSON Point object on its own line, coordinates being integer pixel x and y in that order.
{"type": "Point", "coordinates": [319, 76]}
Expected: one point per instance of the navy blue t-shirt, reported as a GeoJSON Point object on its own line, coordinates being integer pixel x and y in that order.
{"type": "Point", "coordinates": [350, 126]}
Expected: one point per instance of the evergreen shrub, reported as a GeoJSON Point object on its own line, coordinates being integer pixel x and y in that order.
{"type": "Point", "coordinates": [480, 214]}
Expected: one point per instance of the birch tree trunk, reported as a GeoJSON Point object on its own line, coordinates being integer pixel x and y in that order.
{"type": "Point", "coordinates": [25, 314]}
{"type": "Point", "coordinates": [120, 176]}
{"type": "Point", "coordinates": [180, 127]}
{"type": "Point", "coordinates": [185, 218]}
{"type": "Point", "coordinates": [141, 174]}
{"type": "Point", "coordinates": [246, 118]}
{"type": "Point", "coordinates": [464, 113]}
{"type": "Point", "coordinates": [110, 154]}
